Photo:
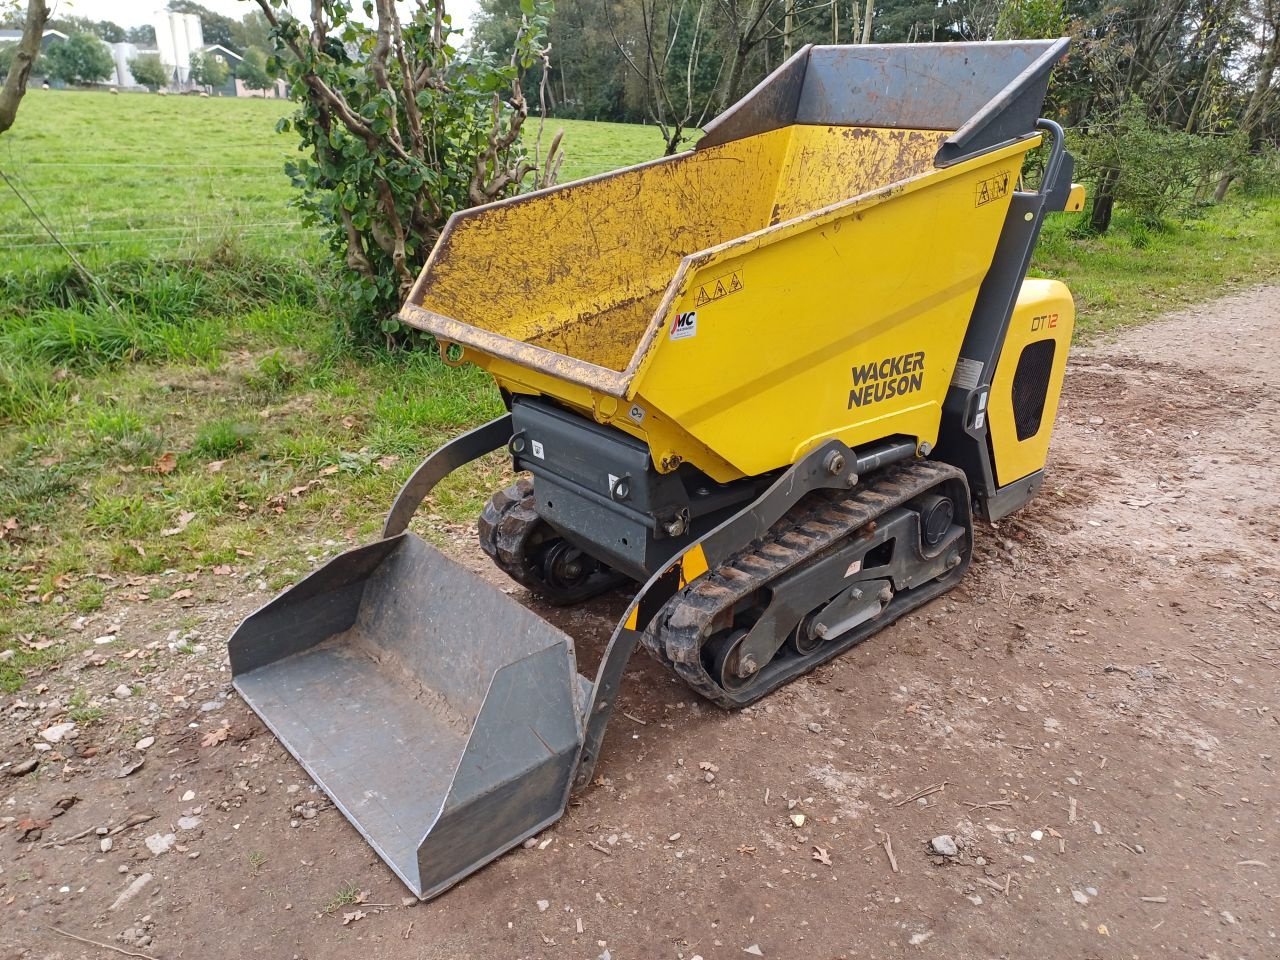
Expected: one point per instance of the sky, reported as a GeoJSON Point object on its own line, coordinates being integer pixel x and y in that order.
{"type": "Point", "coordinates": [133, 13]}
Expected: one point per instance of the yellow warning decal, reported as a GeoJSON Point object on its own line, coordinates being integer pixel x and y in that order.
{"type": "Point", "coordinates": [719, 288]}
{"type": "Point", "coordinates": [992, 188]}
{"type": "Point", "coordinates": [693, 564]}
{"type": "Point", "coordinates": [633, 617]}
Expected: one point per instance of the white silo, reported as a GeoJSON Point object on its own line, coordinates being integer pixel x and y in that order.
{"type": "Point", "coordinates": [164, 40]}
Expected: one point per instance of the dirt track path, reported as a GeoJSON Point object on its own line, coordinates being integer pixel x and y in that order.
{"type": "Point", "coordinates": [1099, 699]}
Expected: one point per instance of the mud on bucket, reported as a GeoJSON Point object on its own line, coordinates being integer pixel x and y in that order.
{"type": "Point", "coordinates": [441, 716]}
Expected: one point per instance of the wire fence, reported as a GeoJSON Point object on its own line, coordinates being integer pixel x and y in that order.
{"type": "Point", "coordinates": [147, 207]}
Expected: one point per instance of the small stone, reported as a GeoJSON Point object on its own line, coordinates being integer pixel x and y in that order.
{"type": "Point", "coordinates": [944, 846]}
{"type": "Point", "coordinates": [210, 706]}
{"type": "Point", "coordinates": [106, 638]}
{"type": "Point", "coordinates": [974, 899]}
{"type": "Point", "coordinates": [188, 823]}
{"type": "Point", "coordinates": [980, 861]}
{"type": "Point", "coordinates": [709, 777]}
{"type": "Point", "coordinates": [1091, 891]}
{"type": "Point", "coordinates": [58, 732]}
{"type": "Point", "coordinates": [797, 819]}
{"type": "Point", "coordinates": [145, 743]}
{"type": "Point", "coordinates": [1079, 897]}
{"type": "Point", "coordinates": [188, 796]}
{"type": "Point", "coordinates": [131, 891]}
{"type": "Point", "coordinates": [543, 905]}
{"type": "Point", "coordinates": [123, 868]}
{"type": "Point", "coordinates": [815, 728]}
{"type": "Point", "coordinates": [308, 813]}
{"type": "Point", "coordinates": [1227, 916]}
{"type": "Point", "coordinates": [530, 843]}
{"type": "Point", "coordinates": [122, 692]}
{"type": "Point", "coordinates": [195, 855]}
{"type": "Point", "coordinates": [674, 837]}
{"type": "Point", "coordinates": [6, 655]}
{"type": "Point", "coordinates": [754, 950]}
{"type": "Point", "coordinates": [1037, 834]}
{"type": "Point", "coordinates": [23, 768]}
{"type": "Point", "coordinates": [105, 844]}
{"type": "Point", "coordinates": [159, 843]}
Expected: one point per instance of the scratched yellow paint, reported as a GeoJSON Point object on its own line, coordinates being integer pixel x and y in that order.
{"type": "Point", "coordinates": [802, 254]}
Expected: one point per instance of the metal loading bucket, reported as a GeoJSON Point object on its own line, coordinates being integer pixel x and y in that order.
{"type": "Point", "coordinates": [442, 717]}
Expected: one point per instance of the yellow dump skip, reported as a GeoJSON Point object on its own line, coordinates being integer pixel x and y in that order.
{"type": "Point", "coordinates": [735, 305]}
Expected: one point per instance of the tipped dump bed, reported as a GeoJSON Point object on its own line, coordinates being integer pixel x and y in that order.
{"type": "Point", "coordinates": [856, 193]}
{"type": "Point", "coordinates": [596, 258]}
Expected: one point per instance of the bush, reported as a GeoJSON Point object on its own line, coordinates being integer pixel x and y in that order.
{"type": "Point", "coordinates": [80, 59]}
{"type": "Point", "coordinates": [400, 129]}
{"type": "Point", "coordinates": [1259, 173]}
{"type": "Point", "coordinates": [149, 71]}
{"type": "Point", "coordinates": [1156, 173]}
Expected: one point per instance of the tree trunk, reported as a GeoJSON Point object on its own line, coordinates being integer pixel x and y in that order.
{"type": "Point", "coordinates": [1104, 201]}
{"type": "Point", "coordinates": [15, 84]}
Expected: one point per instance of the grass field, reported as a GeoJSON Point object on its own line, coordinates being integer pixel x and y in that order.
{"type": "Point", "coordinates": [219, 419]}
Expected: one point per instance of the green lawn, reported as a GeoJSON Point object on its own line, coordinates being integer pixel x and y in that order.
{"type": "Point", "coordinates": [219, 417]}
{"type": "Point", "coordinates": [133, 174]}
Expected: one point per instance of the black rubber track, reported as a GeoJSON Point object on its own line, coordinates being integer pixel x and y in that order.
{"type": "Point", "coordinates": [677, 635]}
{"type": "Point", "coordinates": [509, 526]}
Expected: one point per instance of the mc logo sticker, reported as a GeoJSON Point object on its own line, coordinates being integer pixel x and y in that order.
{"type": "Point", "coordinates": [684, 325]}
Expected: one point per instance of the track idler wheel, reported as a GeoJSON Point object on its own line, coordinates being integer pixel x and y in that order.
{"type": "Point", "coordinates": [528, 550]}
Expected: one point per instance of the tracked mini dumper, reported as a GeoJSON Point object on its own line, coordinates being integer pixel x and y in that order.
{"type": "Point", "coordinates": [770, 380]}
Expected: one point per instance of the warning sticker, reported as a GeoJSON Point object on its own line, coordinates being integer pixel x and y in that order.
{"type": "Point", "coordinates": [968, 373]}
{"type": "Point", "coordinates": [992, 188]}
{"type": "Point", "coordinates": [719, 288]}
{"type": "Point", "coordinates": [684, 325]}
{"type": "Point", "coordinates": [636, 413]}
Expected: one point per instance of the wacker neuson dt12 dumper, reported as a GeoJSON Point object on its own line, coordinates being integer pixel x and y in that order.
{"type": "Point", "coordinates": [770, 380]}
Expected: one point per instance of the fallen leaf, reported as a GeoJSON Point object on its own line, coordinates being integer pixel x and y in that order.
{"type": "Point", "coordinates": [362, 897]}
{"type": "Point", "coordinates": [180, 595]}
{"type": "Point", "coordinates": [329, 471]}
{"type": "Point", "coordinates": [353, 916]}
{"type": "Point", "coordinates": [820, 854]}
{"type": "Point", "coordinates": [214, 737]}
{"type": "Point", "coordinates": [167, 463]}
{"type": "Point", "coordinates": [213, 466]}
{"type": "Point", "coordinates": [31, 829]}
{"type": "Point", "coordinates": [183, 520]}
{"type": "Point", "coordinates": [222, 570]}
{"type": "Point", "coordinates": [387, 462]}
{"type": "Point", "coordinates": [8, 527]}
{"type": "Point", "coordinates": [708, 766]}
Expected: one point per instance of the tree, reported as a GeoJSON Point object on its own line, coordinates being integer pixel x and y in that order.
{"type": "Point", "coordinates": [80, 59]}
{"type": "Point", "coordinates": [144, 35]}
{"type": "Point", "coordinates": [253, 70]}
{"type": "Point", "coordinates": [106, 30]}
{"type": "Point", "coordinates": [401, 130]}
{"type": "Point", "coordinates": [253, 30]}
{"type": "Point", "coordinates": [149, 71]}
{"type": "Point", "coordinates": [679, 76]}
{"type": "Point", "coordinates": [209, 70]}
{"type": "Point", "coordinates": [24, 55]}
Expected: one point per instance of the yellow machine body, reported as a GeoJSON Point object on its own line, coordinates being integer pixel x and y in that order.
{"type": "Point", "coordinates": [1028, 377]}
{"type": "Point", "coordinates": [738, 305]}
